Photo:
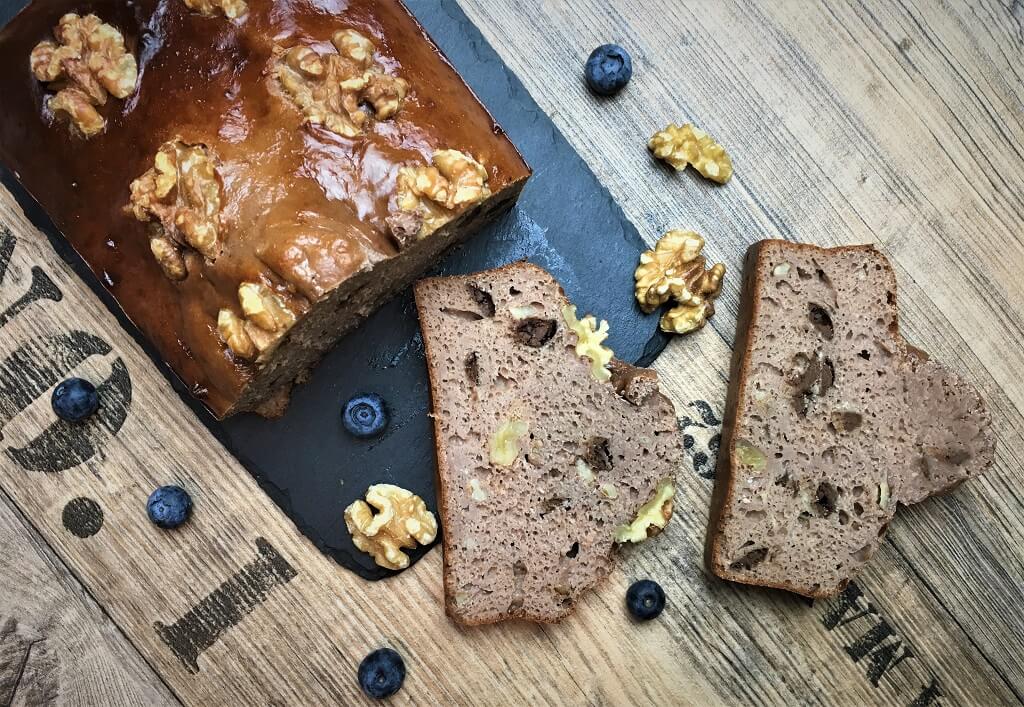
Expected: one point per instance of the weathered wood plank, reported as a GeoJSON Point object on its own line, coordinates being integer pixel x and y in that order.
{"type": "Point", "coordinates": [841, 132]}
{"type": "Point", "coordinates": [56, 645]}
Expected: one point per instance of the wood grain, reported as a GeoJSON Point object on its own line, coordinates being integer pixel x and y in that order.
{"type": "Point", "coordinates": [895, 123]}
{"type": "Point", "coordinates": [56, 644]}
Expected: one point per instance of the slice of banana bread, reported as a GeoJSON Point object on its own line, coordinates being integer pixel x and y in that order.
{"type": "Point", "coordinates": [831, 420]}
{"type": "Point", "coordinates": [549, 451]}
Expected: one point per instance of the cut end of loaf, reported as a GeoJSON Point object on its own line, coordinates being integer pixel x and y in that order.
{"type": "Point", "coordinates": [539, 463]}
{"type": "Point", "coordinates": [831, 422]}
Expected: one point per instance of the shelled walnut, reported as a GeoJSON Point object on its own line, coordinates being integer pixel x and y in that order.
{"type": "Point", "coordinates": [589, 338]}
{"type": "Point", "coordinates": [230, 8]}
{"type": "Point", "coordinates": [684, 145]}
{"type": "Point", "coordinates": [180, 196]}
{"type": "Point", "coordinates": [675, 270]}
{"type": "Point", "coordinates": [401, 521]}
{"type": "Point", "coordinates": [88, 62]}
{"type": "Point", "coordinates": [330, 89]}
{"type": "Point", "coordinates": [436, 192]}
{"type": "Point", "coordinates": [266, 319]}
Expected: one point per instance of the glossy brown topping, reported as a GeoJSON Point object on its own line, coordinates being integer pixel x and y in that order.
{"type": "Point", "coordinates": [303, 208]}
{"type": "Point", "coordinates": [87, 63]}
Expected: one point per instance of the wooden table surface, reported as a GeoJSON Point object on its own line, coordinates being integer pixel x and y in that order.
{"type": "Point", "coordinates": [899, 123]}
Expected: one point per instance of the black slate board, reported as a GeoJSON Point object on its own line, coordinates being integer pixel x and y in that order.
{"type": "Point", "coordinates": [565, 222]}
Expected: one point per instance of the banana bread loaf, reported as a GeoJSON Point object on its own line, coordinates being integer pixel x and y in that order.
{"type": "Point", "coordinates": [832, 420]}
{"type": "Point", "coordinates": [549, 451]}
{"type": "Point", "coordinates": [250, 179]}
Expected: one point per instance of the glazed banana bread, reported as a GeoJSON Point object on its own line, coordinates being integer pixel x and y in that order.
{"type": "Point", "coordinates": [549, 451]}
{"type": "Point", "coordinates": [249, 180]}
{"type": "Point", "coordinates": [831, 421]}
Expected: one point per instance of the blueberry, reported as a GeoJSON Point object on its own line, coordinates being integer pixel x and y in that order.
{"type": "Point", "coordinates": [74, 399]}
{"type": "Point", "coordinates": [381, 673]}
{"type": "Point", "coordinates": [364, 415]}
{"type": "Point", "coordinates": [645, 599]}
{"type": "Point", "coordinates": [169, 506]}
{"type": "Point", "coordinates": [608, 69]}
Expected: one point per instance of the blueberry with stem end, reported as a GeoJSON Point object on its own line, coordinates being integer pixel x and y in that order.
{"type": "Point", "coordinates": [74, 399]}
{"type": "Point", "coordinates": [381, 673]}
{"type": "Point", "coordinates": [608, 69]}
{"type": "Point", "coordinates": [365, 415]}
{"type": "Point", "coordinates": [169, 506]}
{"type": "Point", "coordinates": [645, 599]}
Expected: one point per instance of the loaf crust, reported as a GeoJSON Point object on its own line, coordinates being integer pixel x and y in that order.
{"type": "Point", "coordinates": [305, 209]}
{"type": "Point", "coordinates": [943, 437]}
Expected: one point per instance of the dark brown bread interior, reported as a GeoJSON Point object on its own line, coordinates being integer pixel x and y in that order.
{"type": "Point", "coordinates": [831, 420]}
{"type": "Point", "coordinates": [524, 541]}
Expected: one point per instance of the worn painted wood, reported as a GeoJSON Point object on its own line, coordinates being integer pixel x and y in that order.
{"type": "Point", "coordinates": [895, 123]}
{"type": "Point", "coordinates": [56, 644]}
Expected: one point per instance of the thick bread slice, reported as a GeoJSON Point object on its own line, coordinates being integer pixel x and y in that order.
{"type": "Point", "coordinates": [831, 420]}
{"type": "Point", "coordinates": [524, 539]}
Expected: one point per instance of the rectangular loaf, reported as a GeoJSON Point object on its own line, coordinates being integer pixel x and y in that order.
{"type": "Point", "coordinates": [271, 173]}
{"type": "Point", "coordinates": [831, 421]}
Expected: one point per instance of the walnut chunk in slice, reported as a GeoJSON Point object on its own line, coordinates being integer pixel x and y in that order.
{"type": "Point", "coordinates": [685, 145]}
{"type": "Point", "coordinates": [87, 63]}
{"type": "Point", "coordinates": [675, 270]}
{"type": "Point", "coordinates": [180, 196]}
{"type": "Point", "coordinates": [589, 338]}
{"type": "Point", "coordinates": [438, 191]}
{"type": "Point", "coordinates": [401, 521]}
{"type": "Point", "coordinates": [231, 9]}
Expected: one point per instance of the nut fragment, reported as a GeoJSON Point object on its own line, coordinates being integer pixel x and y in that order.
{"type": "Point", "coordinates": [588, 341]}
{"type": "Point", "coordinates": [685, 145]}
{"type": "Point", "coordinates": [652, 517]}
{"type": "Point", "coordinates": [230, 8]}
{"type": "Point", "coordinates": [675, 270]}
{"type": "Point", "coordinates": [169, 257]}
{"type": "Point", "coordinates": [88, 63]}
{"type": "Point", "coordinates": [505, 441]}
{"type": "Point", "coordinates": [330, 89]}
{"type": "Point", "coordinates": [401, 521]}
{"type": "Point", "coordinates": [267, 319]}
{"type": "Point", "coordinates": [438, 191]}
{"type": "Point", "coordinates": [749, 455]}
{"type": "Point", "coordinates": [181, 197]}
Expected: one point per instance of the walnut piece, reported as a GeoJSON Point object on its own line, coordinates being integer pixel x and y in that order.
{"type": "Point", "coordinates": [180, 196]}
{"type": "Point", "coordinates": [685, 145]}
{"type": "Point", "coordinates": [588, 341]}
{"type": "Point", "coordinates": [230, 8]}
{"type": "Point", "coordinates": [652, 517]}
{"type": "Point", "coordinates": [330, 89]}
{"type": "Point", "coordinates": [675, 270]}
{"type": "Point", "coordinates": [267, 318]}
{"type": "Point", "coordinates": [505, 441]}
{"type": "Point", "coordinates": [88, 62]}
{"type": "Point", "coordinates": [401, 521]}
{"type": "Point", "coordinates": [438, 191]}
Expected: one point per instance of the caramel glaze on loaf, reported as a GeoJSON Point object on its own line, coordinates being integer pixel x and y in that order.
{"type": "Point", "coordinates": [525, 540]}
{"type": "Point", "coordinates": [304, 208]}
{"type": "Point", "coordinates": [831, 421]}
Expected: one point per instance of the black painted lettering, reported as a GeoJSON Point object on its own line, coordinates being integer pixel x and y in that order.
{"type": "Point", "coordinates": [849, 599]}
{"type": "Point", "coordinates": [42, 287]}
{"type": "Point", "coordinates": [887, 657]}
{"type": "Point", "coordinates": [866, 643]}
{"type": "Point", "coordinates": [928, 695]}
{"type": "Point", "coordinates": [226, 606]}
{"type": "Point", "coordinates": [31, 370]}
